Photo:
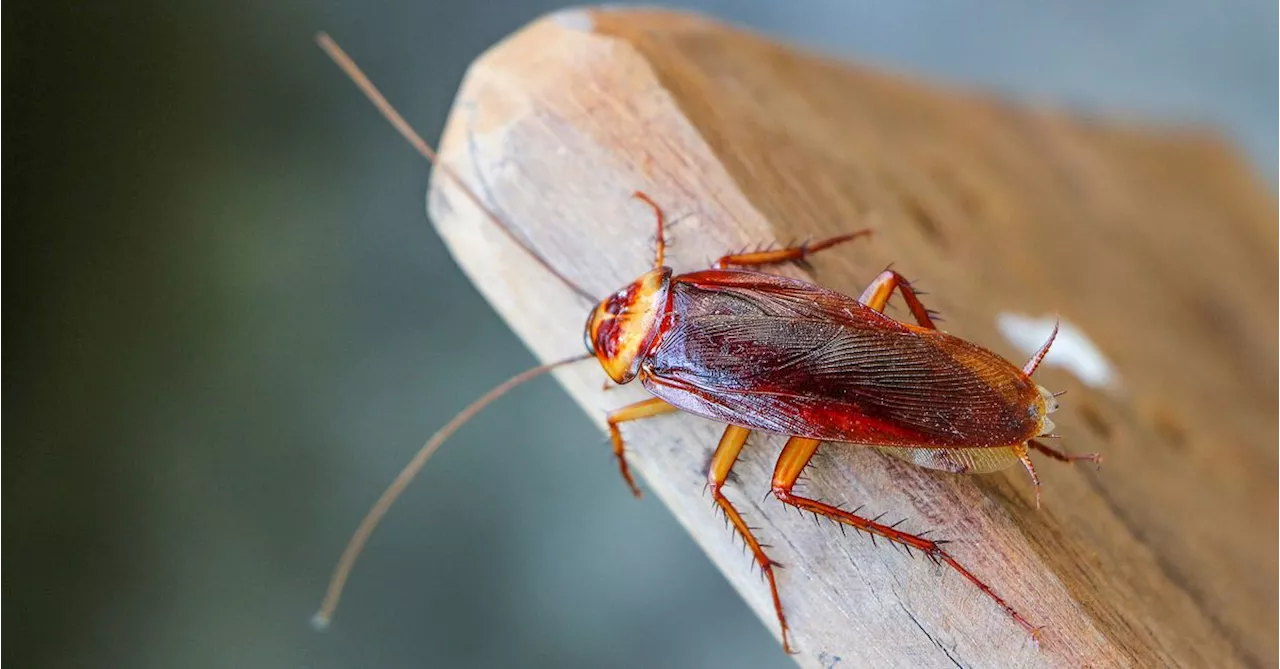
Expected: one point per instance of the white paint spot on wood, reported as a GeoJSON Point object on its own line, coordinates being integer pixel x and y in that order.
{"type": "Point", "coordinates": [1073, 350]}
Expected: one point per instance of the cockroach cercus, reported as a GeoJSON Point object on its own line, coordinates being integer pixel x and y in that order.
{"type": "Point", "coordinates": [763, 352]}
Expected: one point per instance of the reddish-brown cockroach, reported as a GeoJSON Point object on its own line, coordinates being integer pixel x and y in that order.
{"type": "Point", "coordinates": [764, 352]}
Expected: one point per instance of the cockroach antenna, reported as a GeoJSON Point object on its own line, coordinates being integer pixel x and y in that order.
{"type": "Point", "coordinates": [402, 126]}
{"type": "Point", "coordinates": [389, 496]}
{"type": "Point", "coordinates": [402, 480]}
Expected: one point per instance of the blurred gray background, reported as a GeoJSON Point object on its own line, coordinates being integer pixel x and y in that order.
{"type": "Point", "coordinates": [230, 324]}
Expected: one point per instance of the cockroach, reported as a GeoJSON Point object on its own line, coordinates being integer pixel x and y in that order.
{"type": "Point", "coordinates": [763, 352]}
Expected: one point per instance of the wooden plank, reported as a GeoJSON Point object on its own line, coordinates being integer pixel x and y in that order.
{"type": "Point", "coordinates": [1160, 248]}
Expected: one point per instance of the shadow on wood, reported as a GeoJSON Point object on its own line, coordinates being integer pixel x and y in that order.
{"type": "Point", "coordinates": [1161, 247]}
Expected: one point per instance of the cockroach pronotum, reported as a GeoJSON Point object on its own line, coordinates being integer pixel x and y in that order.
{"type": "Point", "coordinates": [764, 352]}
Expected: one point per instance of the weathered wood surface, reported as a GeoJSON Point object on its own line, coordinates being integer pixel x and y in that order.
{"type": "Point", "coordinates": [1161, 247]}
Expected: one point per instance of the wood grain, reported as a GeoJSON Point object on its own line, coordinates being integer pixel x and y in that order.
{"type": "Point", "coordinates": [1160, 246]}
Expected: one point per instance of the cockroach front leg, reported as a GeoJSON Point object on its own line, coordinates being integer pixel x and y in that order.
{"type": "Point", "coordinates": [878, 293]}
{"type": "Point", "coordinates": [717, 473]}
{"type": "Point", "coordinates": [795, 457]}
{"type": "Point", "coordinates": [642, 409]}
{"type": "Point", "coordinates": [788, 254]}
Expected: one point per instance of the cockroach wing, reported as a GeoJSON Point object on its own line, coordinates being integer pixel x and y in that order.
{"type": "Point", "coordinates": [957, 460]}
{"type": "Point", "coordinates": [785, 356]}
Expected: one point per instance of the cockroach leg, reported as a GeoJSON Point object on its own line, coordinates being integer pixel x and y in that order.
{"type": "Point", "coordinates": [661, 241]}
{"type": "Point", "coordinates": [717, 473]}
{"type": "Point", "coordinates": [1058, 455]}
{"type": "Point", "coordinates": [1025, 458]}
{"type": "Point", "coordinates": [788, 254]}
{"type": "Point", "coordinates": [795, 457]}
{"type": "Point", "coordinates": [642, 409]}
{"type": "Point", "coordinates": [877, 296]}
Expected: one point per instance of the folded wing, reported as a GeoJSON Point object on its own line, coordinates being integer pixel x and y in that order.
{"type": "Point", "coordinates": [782, 355]}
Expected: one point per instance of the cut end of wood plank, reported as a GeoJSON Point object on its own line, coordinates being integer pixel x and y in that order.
{"type": "Point", "coordinates": [1166, 557]}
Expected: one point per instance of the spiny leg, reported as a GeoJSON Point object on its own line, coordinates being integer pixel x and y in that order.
{"type": "Point", "coordinates": [795, 457]}
{"type": "Point", "coordinates": [1025, 458]}
{"type": "Point", "coordinates": [876, 296]}
{"type": "Point", "coordinates": [789, 254]}
{"type": "Point", "coordinates": [642, 409]}
{"type": "Point", "coordinates": [878, 292]}
{"type": "Point", "coordinates": [1058, 455]}
{"type": "Point", "coordinates": [721, 464]}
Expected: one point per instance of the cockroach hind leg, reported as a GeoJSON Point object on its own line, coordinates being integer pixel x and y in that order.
{"type": "Point", "coordinates": [1095, 458]}
{"type": "Point", "coordinates": [1025, 457]}
{"type": "Point", "coordinates": [793, 459]}
{"type": "Point", "coordinates": [722, 461]}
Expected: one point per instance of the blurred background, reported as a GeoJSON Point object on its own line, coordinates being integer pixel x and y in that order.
{"type": "Point", "coordinates": [230, 324]}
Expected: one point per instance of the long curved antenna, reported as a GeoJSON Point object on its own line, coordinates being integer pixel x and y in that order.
{"type": "Point", "coordinates": [1034, 362]}
{"type": "Point", "coordinates": [397, 121]}
{"type": "Point", "coordinates": [402, 480]}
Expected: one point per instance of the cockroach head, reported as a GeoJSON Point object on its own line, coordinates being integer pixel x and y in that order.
{"type": "Point", "coordinates": [621, 328]}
